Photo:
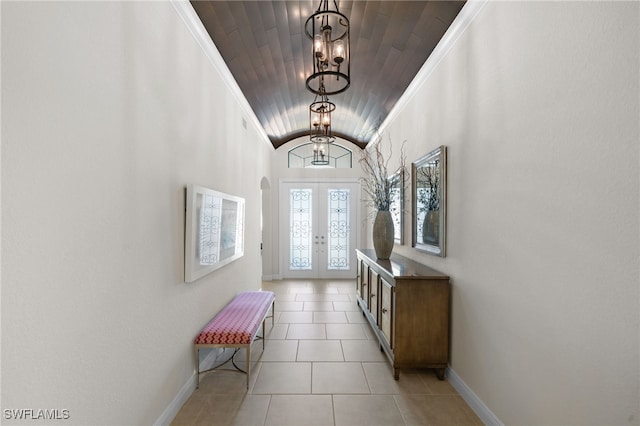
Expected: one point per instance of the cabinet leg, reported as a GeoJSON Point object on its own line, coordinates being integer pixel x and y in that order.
{"type": "Point", "coordinates": [396, 374]}
{"type": "Point", "coordinates": [440, 373]}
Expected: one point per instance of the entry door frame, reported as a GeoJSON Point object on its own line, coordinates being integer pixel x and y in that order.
{"type": "Point", "coordinates": [283, 213]}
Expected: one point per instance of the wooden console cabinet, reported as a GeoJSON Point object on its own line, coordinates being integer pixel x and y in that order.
{"type": "Point", "coordinates": [408, 307]}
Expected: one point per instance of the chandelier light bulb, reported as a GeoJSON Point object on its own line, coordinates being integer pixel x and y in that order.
{"type": "Point", "coordinates": [338, 51]}
{"type": "Point", "coordinates": [318, 47]}
{"type": "Point", "coordinates": [326, 120]}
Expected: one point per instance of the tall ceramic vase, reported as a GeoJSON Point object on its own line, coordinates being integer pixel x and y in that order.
{"type": "Point", "coordinates": [383, 234]}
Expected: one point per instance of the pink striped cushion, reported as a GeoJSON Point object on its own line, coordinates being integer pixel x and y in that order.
{"type": "Point", "coordinates": [238, 321]}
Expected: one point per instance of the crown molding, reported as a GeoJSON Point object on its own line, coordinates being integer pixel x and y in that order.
{"type": "Point", "coordinates": [196, 28]}
{"type": "Point", "coordinates": [467, 14]}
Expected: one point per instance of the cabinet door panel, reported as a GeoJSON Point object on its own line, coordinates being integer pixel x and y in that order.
{"type": "Point", "coordinates": [363, 271]}
{"type": "Point", "coordinates": [386, 311]}
{"type": "Point", "coordinates": [373, 295]}
{"type": "Point", "coordinates": [364, 287]}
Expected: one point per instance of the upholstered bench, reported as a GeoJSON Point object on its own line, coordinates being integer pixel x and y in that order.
{"type": "Point", "coordinates": [236, 326]}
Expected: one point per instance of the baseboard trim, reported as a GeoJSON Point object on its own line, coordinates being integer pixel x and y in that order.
{"type": "Point", "coordinates": [185, 392]}
{"type": "Point", "coordinates": [174, 407]}
{"type": "Point", "coordinates": [476, 404]}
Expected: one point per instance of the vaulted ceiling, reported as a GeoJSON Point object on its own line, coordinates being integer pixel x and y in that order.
{"type": "Point", "coordinates": [268, 53]}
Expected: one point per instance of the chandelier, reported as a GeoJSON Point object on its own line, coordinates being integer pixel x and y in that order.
{"type": "Point", "coordinates": [320, 127]}
{"type": "Point", "coordinates": [320, 154]}
{"type": "Point", "coordinates": [320, 119]}
{"type": "Point", "coordinates": [329, 30]}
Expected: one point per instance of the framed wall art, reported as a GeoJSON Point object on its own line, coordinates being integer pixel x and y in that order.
{"type": "Point", "coordinates": [214, 231]}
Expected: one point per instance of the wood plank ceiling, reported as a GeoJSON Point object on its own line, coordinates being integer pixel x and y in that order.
{"type": "Point", "coordinates": [264, 45]}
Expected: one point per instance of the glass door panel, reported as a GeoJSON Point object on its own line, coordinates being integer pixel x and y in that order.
{"type": "Point", "coordinates": [300, 227]}
{"type": "Point", "coordinates": [339, 229]}
{"type": "Point", "coordinates": [319, 235]}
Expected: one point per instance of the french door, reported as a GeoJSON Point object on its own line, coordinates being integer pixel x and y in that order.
{"type": "Point", "coordinates": [319, 228]}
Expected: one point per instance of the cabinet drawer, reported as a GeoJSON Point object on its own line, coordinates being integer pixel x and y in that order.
{"type": "Point", "coordinates": [386, 310]}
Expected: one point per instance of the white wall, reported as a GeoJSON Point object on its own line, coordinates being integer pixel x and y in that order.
{"type": "Point", "coordinates": [538, 105]}
{"type": "Point", "coordinates": [109, 110]}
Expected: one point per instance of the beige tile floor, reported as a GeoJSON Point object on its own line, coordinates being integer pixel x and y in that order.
{"type": "Point", "coordinates": [321, 366]}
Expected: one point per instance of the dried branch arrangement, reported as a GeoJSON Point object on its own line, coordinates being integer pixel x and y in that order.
{"type": "Point", "coordinates": [377, 183]}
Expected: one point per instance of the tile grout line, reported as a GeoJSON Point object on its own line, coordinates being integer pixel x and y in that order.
{"type": "Point", "coordinates": [333, 408]}
{"type": "Point", "coordinates": [266, 416]}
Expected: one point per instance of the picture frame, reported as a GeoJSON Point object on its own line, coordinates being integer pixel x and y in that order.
{"type": "Point", "coordinates": [214, 231]}
{"type": "Point", "coordinates": [429, 202]}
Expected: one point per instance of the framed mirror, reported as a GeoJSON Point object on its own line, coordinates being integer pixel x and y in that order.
{"type": "Point", "coordinates": [396, 185]}
{"type": "Point", "coordinates": [429, 202]}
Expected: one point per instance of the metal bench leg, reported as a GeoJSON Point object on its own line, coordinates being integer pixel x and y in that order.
{"type": "Point", "coordinates": [248, 364]}
{"type": "Point", "coordinates": [196, 351]}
